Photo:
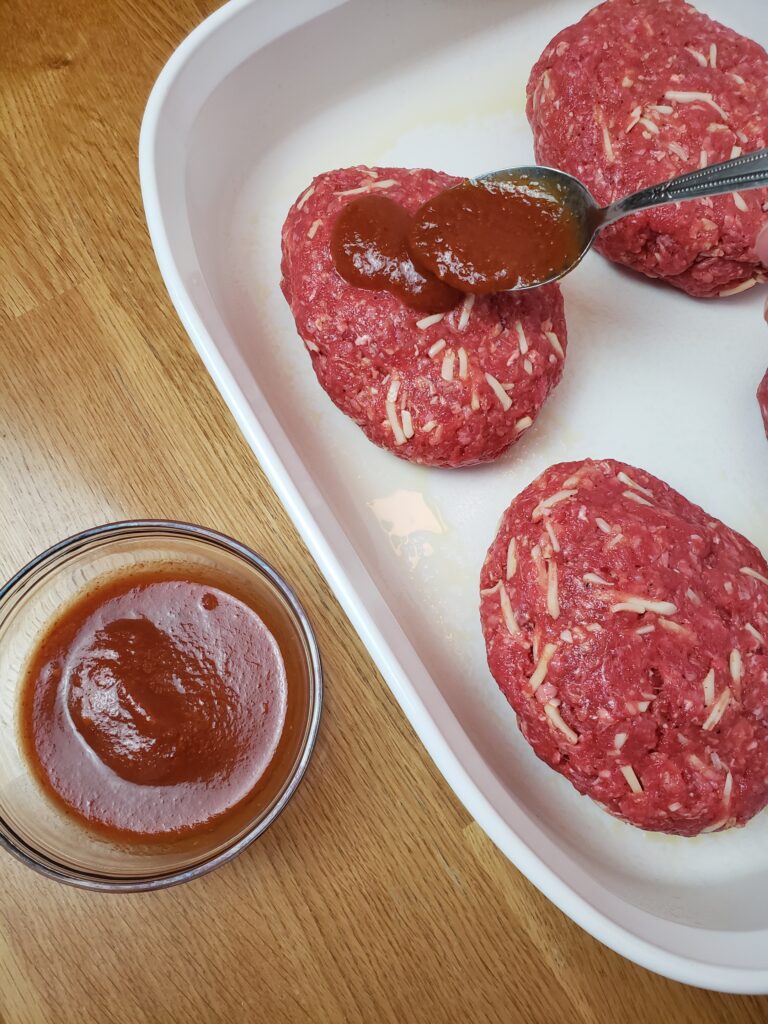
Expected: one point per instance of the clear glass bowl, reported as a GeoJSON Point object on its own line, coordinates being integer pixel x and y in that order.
{"type": "Point", "coordinates": [42, 835]}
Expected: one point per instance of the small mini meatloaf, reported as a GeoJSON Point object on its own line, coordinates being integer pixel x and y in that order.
{"type": "Point", "coordinates": [762, 400]}
{"type": "Point", "coordinates": [640, 91]}
{"type": "Point", "coordinates": [444, 389]}
{"type": "Point", "coordinates": [627, 629]}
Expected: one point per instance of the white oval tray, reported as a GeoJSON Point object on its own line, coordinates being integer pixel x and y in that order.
{"type": "Point", "coordinates": [258, 99]}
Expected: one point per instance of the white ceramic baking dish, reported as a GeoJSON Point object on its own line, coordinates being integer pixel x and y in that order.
{"type": "Point", "coordinates": [258, 99]}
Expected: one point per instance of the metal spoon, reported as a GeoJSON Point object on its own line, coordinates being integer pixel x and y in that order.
{"type": "Point", "coordinates": [743, 172]}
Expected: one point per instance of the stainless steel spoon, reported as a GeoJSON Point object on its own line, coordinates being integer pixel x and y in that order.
{"type": "Point", "coordinates": [741, 173]}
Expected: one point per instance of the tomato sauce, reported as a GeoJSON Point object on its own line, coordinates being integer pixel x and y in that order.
{"type": "Point", "coordinates": [489, 236]}
{"type": "Point", "coordinates": [155, 704]}
{"type": "Point", "coordinates": [369, 250]}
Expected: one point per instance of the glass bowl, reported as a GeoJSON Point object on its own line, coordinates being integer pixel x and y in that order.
{"type": "Point", "coordinates": [39, 832]}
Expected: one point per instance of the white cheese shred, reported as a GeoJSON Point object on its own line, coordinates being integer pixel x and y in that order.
{"type": "Point", "coordinates": [553, 714]}
{"type": "Point", "coordinates": [708, 685]}
{"type": "Point", "coordinates": [553, 599]}
{"type": "Point", "coordinates": [697, 56]}
{"type": "Point", "coordinates": [625, 478]}
{"type": "Point", "coordinates": [742, 286]}
{"type": "Point", "coordinates": [313, 227]}
{"type": "Point", "coordinates": [540, 672]}
{"type": "Point", "coordinates": [674, 627]}
{"type": "Point", "coordinates": [521, 338]}
{"type": "Point", "coordinates": [632, 780]}
{"type": "Point", "coordinates": [511, 558]}
{"type": "Point", "coordinates": [428, 321]}
{"type": "Point", "coordinates": [407, 424]}
{"type": "Point", "coordinates": [716, 826]}
{"type": "Point", "coordinates": [607, 145]}
{"type": "Point", "coordinates": [438, 346]}
{"type": "Point", "coordinates": [310, 191]}
{"type": "Point", "coordinates": [552, 535]}
{"type": "Point", "coordinates": [679, 96]}
{"type": "Point", "coordinates": [554, 341]}
{"type": "Point", "coordinates": [498, 390]}
{"type": "Point", "coordinates": [634, 117]}
{"type": "Point", "coordinates": [592, 577]}
{"type": "Point", "coordinates": [643, 604]}
{"type": "Point", "coordinates": [718, 710]}
{"type": "Point", "coordinates": [634, 496]}
{"type": "Point", "coordinates": [523, 424]}
{"type": "Point", "coordinates": [446, 370]}
{"type": "Point", "coordinates": [466, 310]}
{"type": "Point", "coordinates": [727, 788]}
{"type": "Point", "coordinates": [755, 633]}
{"type": "Point", "coordinates": [394, 422]}
{"type": "Point", "coordinates": [552, 500]}
{"type": "Point", "coordinates": [355, 191]}
{"type": "Point", "coordinates": [602, 525]}
{"type": "Point", "coordinates": [463, 363]}
{"type": "Point", "coordinates": [506, 611]}
{"type": "Point", "coordinates": [745, 569]}
{"type": "Point", "coordinates": [736, 667]}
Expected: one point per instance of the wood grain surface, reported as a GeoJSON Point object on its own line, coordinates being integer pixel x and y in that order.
{"type": "Point", "coordinates": [374, 897]}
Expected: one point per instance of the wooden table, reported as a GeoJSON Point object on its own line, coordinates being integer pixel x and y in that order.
{"type": "Point", "coordinates": [375, 897]}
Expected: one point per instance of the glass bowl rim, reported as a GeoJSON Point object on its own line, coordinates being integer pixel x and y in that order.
{"type": "Point", "coordinates": [98, 883]}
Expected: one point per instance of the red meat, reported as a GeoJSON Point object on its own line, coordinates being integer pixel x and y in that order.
{"type": "Point", "coordinates": [444, 390]}
{"type": "Point", "coordinates": [640, 91]}
{"type": "Point", "coordinates": [762, 400]}
{"type": "Point", "coordinates": [627, 629]}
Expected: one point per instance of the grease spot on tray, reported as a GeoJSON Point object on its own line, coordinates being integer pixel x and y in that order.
{"type": "Point", "coordinates": [405, 517]}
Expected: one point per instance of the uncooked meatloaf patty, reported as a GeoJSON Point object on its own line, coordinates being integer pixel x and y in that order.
{"type": "Point", "coordinates": [628, 629]}
{"type": "Point", "coordinates": [762, 400]}
{"type": "Point", "coordinates": [447, 389]}
{"type": "Point", "coordinates": [637, 92]}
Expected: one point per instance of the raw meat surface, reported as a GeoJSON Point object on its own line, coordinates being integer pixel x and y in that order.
{"type": "Point", "coordinates": [627, 629]}
{"type": "Point", "coordinates": [762, 400]}
{"type": "Point", "coordinates": [444, 390]}
{"type": "Point", "coordinates": [637, 92]}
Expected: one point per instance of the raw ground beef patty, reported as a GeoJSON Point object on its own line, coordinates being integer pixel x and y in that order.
{"type": "Point", "coordinates": [762, 400]}
{"type": "Point", "coordinates": [640, 91]}
{"type": "Point", "coordinates": [447, 389]}
{"type": "Point", "coordinates": [629, 630]}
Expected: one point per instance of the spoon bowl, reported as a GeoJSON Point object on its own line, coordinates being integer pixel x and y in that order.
{"type": "Point", "coordinates": [588, 218]}
{"type": "Point", "coordinates": [564, 189]}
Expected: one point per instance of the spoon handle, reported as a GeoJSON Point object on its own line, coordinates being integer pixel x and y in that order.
{"type": "Point", "coordinates": [743, 172]}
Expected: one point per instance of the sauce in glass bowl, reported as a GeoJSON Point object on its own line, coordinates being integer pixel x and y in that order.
{"type": "Point", "coordinates": [154, 705]}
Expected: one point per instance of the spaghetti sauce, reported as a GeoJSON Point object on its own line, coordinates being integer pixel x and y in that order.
{"type": "Point", "coordinates": [487, 236]}
{"type": "Point", "coordinates": [480, 236]}
{"type": "Point", "coordinates": [155, 705]}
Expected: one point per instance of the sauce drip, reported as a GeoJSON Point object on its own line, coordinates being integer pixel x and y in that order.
{"type": "Point", "coordinates": [154, 705]}
{"type": "Point", "coordinates": [368, 245]}
{"type": "Point", "coordinates": [486, 236]}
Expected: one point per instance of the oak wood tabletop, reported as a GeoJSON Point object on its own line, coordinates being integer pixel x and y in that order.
{"type": "Point", "coordinates": [374, 897]}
